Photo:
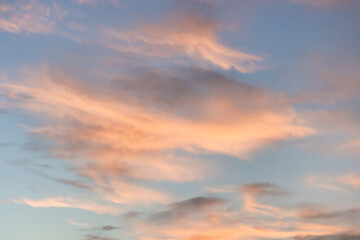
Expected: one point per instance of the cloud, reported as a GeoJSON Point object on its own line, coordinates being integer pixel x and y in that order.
{"type": "Point", "coordinates": [326, 183]}
{"type": "Point", "coordinates": [333, 98]}
{"type": "Point", "coordinates": [74, 183]}
{"type": "Point", "coordinates": [263, 189]}
{"type": "Point", "coordinates": [352, 146]}
{"type": "Point", "coordinates": [311, 212]}
{"type": "Point", "coordinates": [254, 191]}
{"type": "Point", "coordinates": [32, 17]}
{"type": "Point", "coordinates": [343, 236]}
{"type": "Point", "coordinates": [94, 237]}
{"type": "Point", "coordinates": [187, 34]}
{"type": "Point", "coordinates": [4, 145]}
{"type": "Point", "coordinates": [95, 2]}
{"type": "Point", "coordinates": [62, 202]}
{"type": "Point", "coordinates": [108, 228]}
{"type": "Point", "coordinates": [79, 224]}
{"type": "Point", "coordinates": [319, 3]}
{"type": "Point", "coordinates": [103, 228]}
{"type": "Point", "coordinates": [209, 218]}
{"type": "Point", "coordinates": [350, 179]}
{"type": "Point", "coordinates": [336, 183]}
{"type": "Point", "coordinates": [130, 127]}
{"type": "Point", "coordinates": [185, 208]}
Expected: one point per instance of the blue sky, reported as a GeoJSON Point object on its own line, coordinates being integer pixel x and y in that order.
{"type": "Point", "coordinates": [180, 120]}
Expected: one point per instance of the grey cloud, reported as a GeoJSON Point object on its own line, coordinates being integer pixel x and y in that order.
{"type": "Point", "coordinates": [343, 236]}
{"type": "Point", "coordinates": [94, 237]}
{"type": "Point", "coordinates": [308, 212]}
{"type": "Point", "coordinates": [3, 145]}
{"type": "Point", "coordinates": [108, 228]}
{"type": "Point", "coordinates": [263, 189]}
{"type": "Point", "coordinates": [187, 92]}
{"type": "Point", "coordinates": [185, 208]}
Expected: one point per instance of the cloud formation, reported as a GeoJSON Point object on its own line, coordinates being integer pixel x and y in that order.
{"type": "Point", "coordinates": [214, 218]}
{"type": "Point", "coordinates": [30, 17]}
{"type": "Point", "coordinates": [78, 224]}
{"type": "Point", "coordinates": [62, 202]}
{"type": "Point", "coordinates": [129, 127]}
{"type": "Point", "coordinates": [187, 34]}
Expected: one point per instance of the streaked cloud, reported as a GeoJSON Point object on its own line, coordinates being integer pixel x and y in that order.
{"type": "Point", "coordinates": [319, 213]}
{"type": "Point", "coordinates": [218, 220]}
{"type": "Point", "coordinates": [340, 182]}
{"type": "Point", "coordinates": [350, 179]}
{"type": "Point", "coordinates": [263, 189]}
{"type": "Point", "coordinates": [132, 130]}
{"type": "Point", "coordinates": [79, 224]}
{"type": "Point", "coordinates": [95, 237]}
{"type": "Point", "coordinates": [95, 2]}
{"type": "Point", "coordinates": [316, 2]}
{"type": "Point", "coordinates": [324, 182]}
{"type": "Point", "coordinates": [63, 202]}
{"type": "Point", "coordinates": [342, 236]}
{"type": "Point", "coordinates": [30, 17]}
{"type": "Point", "coordinates": [190, 35]}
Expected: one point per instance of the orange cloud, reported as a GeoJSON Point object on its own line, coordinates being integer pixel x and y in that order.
{"type": "Point", "coordinates": [32, 17]}
{"type": "Point", "coordinates": [132, 130]}
{"type": "Point", "coordinates": [62, 202]}
{"type": "Point", "coordinates": [216, 218]}
{"type": "Point", "coordinates": [326, 183]}
{"type": "Point", "coordinates": [336, 183]}
{"type": "Point", "coordinates": [219, 224]}
{"type": "Point", "coordinates": [189, 34]}
{"type": "Point", "coordinates": [350, 179]}
{"type": "Point", "coordinates": [79, 224]}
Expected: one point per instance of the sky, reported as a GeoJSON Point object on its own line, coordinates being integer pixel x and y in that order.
{"type": "Point", "coordinates": [180, 120]}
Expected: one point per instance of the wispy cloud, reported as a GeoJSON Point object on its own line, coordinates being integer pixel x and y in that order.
{"type": "Point", "coordinates": [213, 218]}
{"type": "Point", "coordinates": [342, 236]}
{"type": "Point", "coordinates": [132, 130]}
{"type": "Point", "coordinates": [63, 202]}
{"type": "Point", "coordinates": [95, 237]}
{"type": "Point", "coordinates": [30, 17]}
{"type": "Point", "coordinates": [95, 2]}
{"type": "Point", "coordinates": [319, 213]}
{"type": "Point", "coordinates": [189, 34]}
{"type": "Point", "coordinates": [319, 3]}
{"type": "Point", "coordinates": [325, 182]}
{"type": "Point", "coordinates": [79, 224]}
{"type": "Point", "coordinates": [351, 179]}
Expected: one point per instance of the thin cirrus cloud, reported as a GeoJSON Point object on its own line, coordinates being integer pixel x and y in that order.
{"type": "Point", "coordinates": [95, 2]}
{"type": "Point", "coordinates": [30, 17]}
{"type": "Point", "coordinates": [132, 129]}
{"type": "Point", "coordinates": [78, 224]}
{"type": "Point", "coordinates": [351, 179]}
{"type": "Point", "coordinates": [187, 34]}
{"type": "Point", "coordinates": [95, 237]}
{"type": "Point", "coordinates": [63, 202]}
{"type": "Point", "coordinates": [210, 217]}
{"type": "Point", "coordinates": [317, 2]}
{"type": "Point", "coordinates": [342, 182]}
{"type": "Point", "coordinates": [309, 212]}
{"type": "Point", "coordinates": [191, 35]}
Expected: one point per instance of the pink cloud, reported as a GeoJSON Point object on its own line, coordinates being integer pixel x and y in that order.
{"type": "Point", "coordinates": [180, 35]}
{"type": "Point", "coordinates": [62, 202]}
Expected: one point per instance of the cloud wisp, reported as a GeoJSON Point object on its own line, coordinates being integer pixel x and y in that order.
{"type": "Point", "coordinates": [210, 217]}
{"type": "Point", "coordinates": [187, 34]}
{"type": "Point", "coordinates": [30, 17]}
{"type": "Point", "coordinates": [131, 126]}
{"type": "Point", "coordinates": [63, 202]}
